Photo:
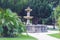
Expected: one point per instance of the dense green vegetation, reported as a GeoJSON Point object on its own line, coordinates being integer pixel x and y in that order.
{"type": "Point", "coordinates": [14, 5]}
{"type": "Point", "coordinates": [40, 9]}
{"type": "Point", "coordinates": [55, 35]}
{"type": "Point", "coordinates": [57, 15]}
{"type": "Point", "coordinates": [10, 23]}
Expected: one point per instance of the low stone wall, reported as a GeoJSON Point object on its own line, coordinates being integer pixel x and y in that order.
{"type": "Point", "coordinates": [36, 28]}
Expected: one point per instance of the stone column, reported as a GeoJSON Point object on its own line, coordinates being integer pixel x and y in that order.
{"type": "Point", "coordinates": [28, 17]}
{"type": "Point", "coordinates": [28, 21]}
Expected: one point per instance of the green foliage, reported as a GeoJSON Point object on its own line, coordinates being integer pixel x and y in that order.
{"type": "Point", "coordinates": [40, 7]}
{"type": "Point", "coordinates": [15, 5]}
{"type": "Point", "coordinates": [11, 20]}
{"type": "Point", "coordinates": [21, 37]}
{"type": "Point", "coordinates": [57, 15]}
{"type": "Point", "coordinates": [58, 23]}
{"type": "Point", "coordinates": [55, 35]}
{"type": "Point", "coordinates": [41, 10]}
{"type": "Point", "coordinates": [57, 11]}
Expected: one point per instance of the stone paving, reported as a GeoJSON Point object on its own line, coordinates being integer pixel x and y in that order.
{"type": "Point", "coordinates": [44, 36]}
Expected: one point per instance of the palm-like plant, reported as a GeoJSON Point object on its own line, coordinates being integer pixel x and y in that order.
{"type": "Point", "coordinates": [9, 21]}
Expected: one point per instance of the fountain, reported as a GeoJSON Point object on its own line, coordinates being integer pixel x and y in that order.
{"type": "Point", "coordinates": [33, 28]}
{"type": "Point", "coordinates": [28, 17]}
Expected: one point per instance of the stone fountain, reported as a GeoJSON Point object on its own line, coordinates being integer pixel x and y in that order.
{"type": "Point", "coordinates": [33, 28]}
{"type": "Point", "coordinates": [28, 17]}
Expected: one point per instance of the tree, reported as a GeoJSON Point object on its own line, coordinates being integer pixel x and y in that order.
{"type": "Point", "coordinates": [40, 7]}
{"type": "Point", "coordinates": [57, 16]}
{"type": "Point", "coordinates": [58, 24]}
{"type": "Point", "coordinates": [14, 5]}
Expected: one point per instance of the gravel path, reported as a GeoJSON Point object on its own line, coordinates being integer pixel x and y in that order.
{"type": "Point", "coordinates": [44, 36]}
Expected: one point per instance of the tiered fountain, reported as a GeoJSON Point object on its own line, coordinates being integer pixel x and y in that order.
{"type": "Point", "coordinates": [33, 28]}
{"type": "Point", "coordinates": [28, 17]}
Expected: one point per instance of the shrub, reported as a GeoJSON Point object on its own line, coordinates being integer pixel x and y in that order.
{"type": "Point", "coordinates": [10, 22]}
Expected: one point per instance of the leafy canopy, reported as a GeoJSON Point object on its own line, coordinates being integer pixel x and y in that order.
{"type": "Point", "coordinates": [10, 19]}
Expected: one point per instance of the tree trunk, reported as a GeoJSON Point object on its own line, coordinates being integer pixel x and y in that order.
{"type": "Point", "coordinates": [5, 31]}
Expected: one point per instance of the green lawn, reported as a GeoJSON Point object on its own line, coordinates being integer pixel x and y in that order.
{"type": "Point", "coordinates": [55, 35]}
{"type": "Point", "coordinates": [22, 37]}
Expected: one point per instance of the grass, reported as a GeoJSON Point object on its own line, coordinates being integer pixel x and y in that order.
{"type": "Point", "coordinates": [21, 37]}
{"type": "Point", "coordinates": [55, 35]}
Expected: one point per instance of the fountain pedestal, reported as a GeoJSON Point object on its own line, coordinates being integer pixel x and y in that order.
{"type": "Point", "coordinates": [36, 28]}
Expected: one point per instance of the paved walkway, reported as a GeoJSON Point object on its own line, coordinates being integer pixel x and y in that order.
{"type": "Point", "coordinates": [44, 36]}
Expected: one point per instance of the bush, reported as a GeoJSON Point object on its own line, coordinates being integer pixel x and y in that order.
{"type": "Point", "coordinates": [10, 22]}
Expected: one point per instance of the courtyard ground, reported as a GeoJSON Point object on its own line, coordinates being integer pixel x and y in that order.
{"type": "Point", "coordinates": [44, 36]}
